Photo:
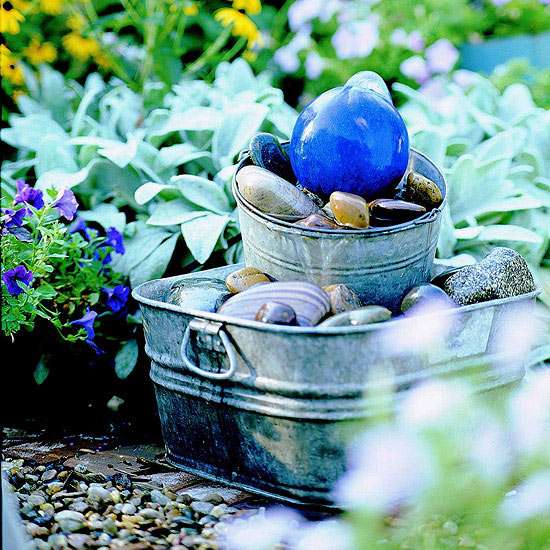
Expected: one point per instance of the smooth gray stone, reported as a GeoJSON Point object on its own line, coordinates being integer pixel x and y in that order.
{"type": "Point", "coordinates": [274, 195]}
{"type": "Point", "coordinates": [309, 302]}
{"type": "Point", "coordinates": [362, 316]}
{"type": "Point", "coordinates": [502, 274]}
{"type": "Point", "coordinates": [200, 293]}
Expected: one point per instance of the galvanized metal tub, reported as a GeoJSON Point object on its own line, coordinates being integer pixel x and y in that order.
{"type": "Point", "coordinates": [380, 264]}
{"type": "Point", "coordinates": [266, 408]}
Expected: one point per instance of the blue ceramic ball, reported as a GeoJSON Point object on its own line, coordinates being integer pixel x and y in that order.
{"type": "Point", "coordinates": [351, 139]}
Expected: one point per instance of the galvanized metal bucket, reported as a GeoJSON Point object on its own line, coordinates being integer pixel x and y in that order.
{"type": "Point", "coordinates": [267, 407]}
{"type": "Point", "coordinates": [380, 264]}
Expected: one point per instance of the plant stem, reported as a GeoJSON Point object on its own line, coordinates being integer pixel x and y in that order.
{"type": "Point", "coordinates": [210, 52]}
{"type": "Point", "coordinates": [149, 32]}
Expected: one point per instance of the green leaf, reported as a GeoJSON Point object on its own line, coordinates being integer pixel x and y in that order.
{"type": "Point", "coordinates": [41, 372]}
{"type": "Point", "coordinates": [149, 191]}
{"type": "Point", "coordinates": [202, 192]}
{"type": "Point", "coordinates": [154, 265]}
{"type": "Point", "coordinates": [202, 233]}
{"type": "Point", "coordinates": [195, 118]}
{"type": "Point", "coordinates": [126, 359]}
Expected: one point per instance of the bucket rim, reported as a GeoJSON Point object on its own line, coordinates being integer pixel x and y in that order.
{"type": "Point", "coordinates": [230, 321]}
{"type": "Point", "coordinates": [289, 227]}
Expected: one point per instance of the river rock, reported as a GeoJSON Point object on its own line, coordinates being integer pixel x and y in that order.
{"type": "Point", "coordinates": [69, 520]}
{"type": "Point", "coordinates": [342, 298]}
{"type": "Point", "coordinates": [274, 195]}
{"type": "Point", "coordinates": [502, 274]}
{"type": "Point", "coordinates": [424, 293]}
{"type": "Point", "coordinates": [244, 278]}
{"type": "Point", "coordinates": [317, 221]}
{"type": "Point", "coordinates": [266, 152]}
{"type": "Point", "coordinates": [276, 314]}
{"type": "Point", "coordinates": [391, 211]}
{"type": "Point", "coordinates": [422, 190]}
{"type": "Point", "coordinates": [362, 316]}
{"type": "Point", "coordinates": [315, 198]}
{"type": "Point", "coordinates": [349, 209]}
{"type": "Point", "coordinates": [309, 302]}
{"type": "Point", "coordinates": [200, 293]}
{"type": "Point", "coordinates": [442, 276]}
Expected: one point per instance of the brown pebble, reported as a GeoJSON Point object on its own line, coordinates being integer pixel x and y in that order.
{"type": "Point", "coordinates": [342, 298]}
{"type": "Point", "coordinates": [392, 211]}
{"type": "Point", "coordinates": [422, 190]}
{"type": "Point", "coordinates": [245, 278]}
{"type": "Point", "coordinates": [349, 209]}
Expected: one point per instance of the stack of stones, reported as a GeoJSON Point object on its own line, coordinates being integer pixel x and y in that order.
{"type": "Point", "coordinates": [251, 294]}
{"type": "Point", "coordinates": [65, 508]}
{"type": "Point", "coordinates": [269, 184]}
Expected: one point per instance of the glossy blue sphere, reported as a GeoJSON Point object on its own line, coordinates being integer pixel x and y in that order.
{"type": "Point", "coordinates": [350, 139]}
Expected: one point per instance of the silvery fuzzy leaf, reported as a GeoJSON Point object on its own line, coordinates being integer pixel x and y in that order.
{"type": "Point", "coordinates": [173, 212]}
{"type": "Point", "coordinates": [94, 85]}
{"type": "Point", "coordinates": [53, 93]}
{"type": "Point", "coordinates": [283, 117]}
{"type": "Point", "coordinates": [240, 123]}
{"type": "Point", "coordinates": [447, 239]}
{"type": "Point", "coordinates": [202, 233]}
{"type": "Point", "coordinates": [54, 152]}
{"type": "Point", "coordinates": [193, 119]}
{"type": "Point", "coordinates": [106, 215]}
{"type": "Point", "coordinates": [515, 103]}
{"type": "Point", "coordinates": [126, 359]}
{"type": "Point", "coordinates": [432, 143]}
{"type": "Point", "coordinates": [504, 145]}
{"type": "Point", "coordinates": [179, 154]}
{"type": "Point", "coordinates": [58, 179]}
{"type": "Point", "coordinates": [497, 233]}
{"type": "Point", "coordinates": [27, 132]}
{"type": "Point", "coordinates": [202, 192]}
{"type": "Point", "coordinates": [154, 265]}
{"type": "Point", "coordinates": [149, 191]}
{"type": "Point", "coordinates": [232, 78]}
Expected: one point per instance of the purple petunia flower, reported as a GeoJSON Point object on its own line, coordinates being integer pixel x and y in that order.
{"type": "Point", "coordinates": [12, 278]}
{"type": "Point", "coordinates": [66, 203]}
{"type": "Point", "coordinates": [79, 226]}
{"type": "Point", "coordinates": [87, 323]}
{"type": "Point", "coordinates": [117, 297]}
{"type": "Point", "coordinates": [26, 194]}
{"type": "Point", "coordinates": [12, 218]}
{"type": "Point", "coordinates": [114, 239]}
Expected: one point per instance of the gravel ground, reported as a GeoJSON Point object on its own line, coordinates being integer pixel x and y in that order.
{"type": "Point", "coordinates": [72, 507]}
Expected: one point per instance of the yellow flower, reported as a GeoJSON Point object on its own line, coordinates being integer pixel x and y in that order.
{"type": "Point", "coordinates": [21, 5]}
{"type": "Point", "coordinates": [38, 53]}
{"type": "Point", "coordinates": [9, 17]}
{"type": "Point", "coordinates": [51, 7]}
{"type": "Point", "coordinates": [252, 7]}
{"type": "Point", "coordinates": [102, 60]}
{"type": "Point", "coordinates": [250, 55]}
{"type": "Point", "coordinates": [76, 22]}
{"type": "Point", "coordinates": [9, 69]}
{"type": "Point", "coordinates": [80, 47]}
{"type": "Point", "coordinates": [241, 25]}
{"type": "Point", "coordinates": [191, 9]}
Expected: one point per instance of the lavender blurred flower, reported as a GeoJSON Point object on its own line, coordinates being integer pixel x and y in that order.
{"type": "Point", "coordinates": [87, 323]}
{"type": "Point", "coordinates": [532, 498]}
{"type": "Point", "coordinates": [388, 468]}
{"type": "Point", "coordinates": [416, 68]}
{"type": "Point", "coordinates": [12, 278]}
{"type": "Point", "coordinates": [324, 535]}
{"type": "Point", "coordinates": [356, 38]}
{"type": "Point", "coordinates": [26, 194]}
{"type": "Point", "coordinates": [262, 531]}
{"type": "Point", "coordinates": [441, 56]}
{"type": "Point", "coordinates": [287, 56]}
{"type": "Point", "coordinates": [114, 239]}
{"type": "Point", "coordinates": [117, 297]}
{"type": "Point", "coordinates": [314, 65]}
{"type": "Point", "coordinates": [499, 3]}
{"type": "Point", "coordinates": [415, 41]}
{"type": "Point", "coordinates": [399, 37]}
{"type": "Point", "coordinates": [12, 218]}
{"type": "Point", "coordinates": [66, 203]}
{"type": "Point", "coordinates": [490, 452]}
{"type": "Point", "coordinates": [529, 414]}
{"type": "Point", "coordinates": [302, 12]}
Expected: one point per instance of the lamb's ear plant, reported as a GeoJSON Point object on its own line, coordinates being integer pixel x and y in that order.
{"type": "Point", "coordinates": [58, 277]}
{"type": "Point", "coordinates": [494, 149]}
{"type": "Point", "coordinates": [156, 166]}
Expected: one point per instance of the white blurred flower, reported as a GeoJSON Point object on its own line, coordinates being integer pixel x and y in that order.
{"type": "Point", "coordinates": [325, 535]}
{"type": "Point", "coordinates": [109, 38]}
{"type": "Point", "coordinates": [433, 403]}
{"type": "Point", "coordinates": [388, 468]}
{"type": "Point", "coordinates": [440, 100]}
{"type": "Point", "coordinates": [302, 12]}
{"type": "Point", "coordinates": [532, 498]}
{"type": "Point", "coordinates": [355, 38]}
{"type": "Point", "coordinates": [490, 452]}
{"type": "Point", "coordinates": [529, 413]}
{"type": "Point", "coordinates": [287, 56]}
{"type": "Point", "coordinates": [261, 531]}
{"type": "Point", "coordinates": [500, 2]}
{"type": "Point", "coordinates": [415, 67]}
{"type": "Point", "coordinates": [314, 65]}
{"type": "Point", "coordinates": [423, 327]}
{"type": "Point", "coordinates": [415, 41]}
{"type": "Point", "coordinates": [399, 37]}
{"type": "Point", "coordinates": [441, 56]}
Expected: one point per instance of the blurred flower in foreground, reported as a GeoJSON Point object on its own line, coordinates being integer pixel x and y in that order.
{"type": "Point", "coordinates": [262, 531]}
{"type": "Point", "coordinates": [532, 498]}
{"type": "Point", "coordinates": [529, 414]}
{"type": "Point", "coordinates": [355, 38]}
{"type": "Point", "coordinates": [326, 535]}
{"type": "Point", "coordinates": [388, 468]}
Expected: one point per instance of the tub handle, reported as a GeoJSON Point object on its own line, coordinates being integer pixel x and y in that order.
{"type": "Point", "coordinates": [212, 328]}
